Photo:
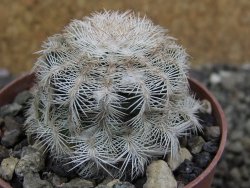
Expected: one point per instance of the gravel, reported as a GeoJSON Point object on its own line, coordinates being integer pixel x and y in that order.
{"type": "Point", "coordinates": [230, 85]}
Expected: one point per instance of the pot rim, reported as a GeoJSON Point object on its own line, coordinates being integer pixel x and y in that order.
{"type": "Point", "coordinates": [192, 82]}
{"type": "Point", "coordinates": [223, 127]}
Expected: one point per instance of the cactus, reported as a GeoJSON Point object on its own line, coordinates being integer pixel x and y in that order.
{"type": "Point", "coordinates": [111, 95]}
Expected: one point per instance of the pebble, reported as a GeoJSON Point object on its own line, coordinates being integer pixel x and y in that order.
{"type": "Point", "coordinates": [195, 144]}
{"type": "Point", "coordinates": [210, 146]}
{"type": "Point", "coordinates": [78, 183]}
{"type": "Point", "coordinates": [159, 175]}
{"type": "Point", "coordinates": [123, 184]}
{"type": "Point", "coordinates": [206, 106]}
{"type": "Point", "coordinates": [212, 132]}
{"type": "Point", "coordinates": [4, 153]}
{"type": "Point", "coordinates": [7, 168]}
{"type": "Point", "coordinates": [174, 162]}
{"type": "Point", "coordinates": [10, 138]}
{"type": "Point", "coordinates": [23, 97]}
{"type": "Point", "coordinates": [33, 180]}
{"type": "Point", "coordinates": [10, 109]}
{"type": "Point", "coordinates": [54, 179]}
{"type": "Point", "coordinates": [235, 174]}
{"type": "Point", "coordinates": [31, 161]}
{"type": "Point", "coordinates": [236, 147]}
{"type": "Point", "coordinates": [202, 159]}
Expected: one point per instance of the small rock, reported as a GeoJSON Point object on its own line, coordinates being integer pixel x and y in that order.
{"type": "Point", "coordinates": [244, 172]}
{"type": "Point", "coordinates": [181, 156]}
{"type": "Point", "coordinates": [235, 174]}
{"type": "Point", "coordinates": [215, 78]}
{"type": "Point", "coordinates": [246, 143]}
{"type": "Point", "coordinates": [180, 185]}
{"type": "Point", "coordinates": [202, 159]}
{"type": "Point", "coordinates": [113, 182]}
{"type": "Point", "coordinates": [210, 147]}
{"type": "Point", "coordinates": [8, 167]}
{"type": "Point", "coordinates": [236, 135]}
{"type": "Point", "coordinates": [12, 133]}
{"type": "Point", "coordinates": [23, 97]}
{"type": "Point", "coordinates": [206, 106]}
{"type": "Point", "coordinates": [17, 151]}
{"type": "Point", "coordinates": [10, 109]}
{"type": "Point", "coordinates": [197, 170]}
{"type": "Point", "coordinates": [32, 180]}
{"type": "Point", "coordinates": [236, 147]}
{"type": "Point", "coordinates": [159, 175]}
{"type": "Point", "coordinates": [78, 183]}
{"type": "Point", "coordinates": [54, 179]}
{"type": "Point", "coordinates": [212, 132]}
{"type": "Point", "coordinates": [247, 126]}
{"type": "Point", "coordinates": [10, 138]}
{"type": "Point", "coordinates": [31, 161]}
{"type": "Point", "coordinates": [123, 185]}
{"type": "Point", "coordinates": [195, 144]}
{"type": "Point", "coordinates": [11, 124]}
{"type": "Point", "coordinates": [108, 182]}
{"type": "Point", "coordinates": [186, 172]}
{"type": "Point", "coordinates": [186, 167]}
{"type": "Point", "coordinates": [186, 178]}
{"type": "Point", "coordinates": [4, 153]}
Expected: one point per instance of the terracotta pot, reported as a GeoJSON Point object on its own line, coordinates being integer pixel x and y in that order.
{"type": "Point", "coordinates": [204, 180]}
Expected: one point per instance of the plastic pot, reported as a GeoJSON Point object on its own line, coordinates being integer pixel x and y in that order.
{"type": "Point", "coordinates": [204, 180]}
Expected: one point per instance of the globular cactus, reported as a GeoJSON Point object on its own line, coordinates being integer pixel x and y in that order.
{"type": "Point", "coordinates": [111, 95]}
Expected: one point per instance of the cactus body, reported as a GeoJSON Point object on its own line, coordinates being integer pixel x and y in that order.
{"type": "Point", "coordinates": [111, 95]}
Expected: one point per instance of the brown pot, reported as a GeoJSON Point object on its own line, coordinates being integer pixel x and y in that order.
{"type": "Point", "coordinates": [204, 180]}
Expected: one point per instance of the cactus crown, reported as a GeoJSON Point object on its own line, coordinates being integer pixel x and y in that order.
{"type": "Point", "coordinates": [111, 95]}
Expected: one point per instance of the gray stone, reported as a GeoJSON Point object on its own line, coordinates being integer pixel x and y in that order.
{"type": "Point", "coordinates": [78, 183]}
{"type": "Point", "coordinates": [11, 123]}
{"type": "Point", "coordinates": [32, 180]}
{"type": "Point", "coordinates": [123, 185]}
{"type": "Point", "coordinates": [57, 181]}
{"type": "Point", "coordinates": [10, 109]}
{"type": "Point", "coordinates": [236, 135]}
{"type": "Point", "coordinates": [246, 143]}
{"type": "Point", "coordinates": [159, 175]}
{"type": "Point", "coordinates": [8, 167]}
{"type": "Point", "coordinates": [235, 174]}
{"type": "Point", "coordinates": [23, 97]}
{"type": "Point", "coordinates": [112, 182]}
{"type": "Point", "coordinates": [4, 153]}
{"type": "Point", "coordinates": [236, 147]}
{"type": "Point", "coordinates": [108, 182]}
{"type": "Point", "coordinates": [247, 126]}
{"type": "Point", "coordinates": [54, 179]}
{"type": "Point", "coordinates": [245, 171]}
{"type": "Point", "coordinates": [10, 138]}
{"type": "Point", "coordinates": [206, 106]}
{"type": "Point", "coordinates": [195, 144]}
{"type": "Point", "coordinates": [213, 131]}
{"type": "Point", "coordinates": [179, 158]}
{"type": "Point", "coordinates": [31, 161]}
{"type": "Point", "coordinates": [215, 78]}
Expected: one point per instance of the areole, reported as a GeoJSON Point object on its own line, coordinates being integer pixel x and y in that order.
{"type": "Point", "coordinates": [204, 180]}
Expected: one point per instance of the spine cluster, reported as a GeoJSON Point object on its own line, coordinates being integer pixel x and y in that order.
{"type": "Point", "coordinates": [111, 95]}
